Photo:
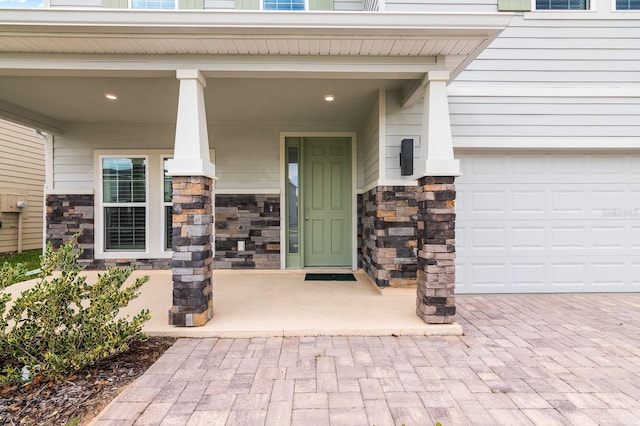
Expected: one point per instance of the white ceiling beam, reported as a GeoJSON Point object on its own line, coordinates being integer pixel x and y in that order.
{"type": "Point", "coordinates": [17, 114]}
{"type": "Point", "coordinates": [249, 66]}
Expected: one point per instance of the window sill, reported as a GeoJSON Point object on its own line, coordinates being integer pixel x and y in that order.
{"type": "Point", "coordinates": [134, 255]}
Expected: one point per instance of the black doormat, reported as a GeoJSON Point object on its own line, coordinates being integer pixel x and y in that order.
{"type": "Point", "coordinates": [329, 277]}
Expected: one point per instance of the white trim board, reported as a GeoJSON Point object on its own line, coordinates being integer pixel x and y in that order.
{"type": "Point", "coordinates": [546, 143]}
{"type": "Point", "coordinates": [69, 191]}
{"type": "Point", "coordinates": [247, 191]}
{"type": "Point", "coordinates": [551, 92]}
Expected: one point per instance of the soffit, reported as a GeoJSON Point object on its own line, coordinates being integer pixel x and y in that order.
{"type": "Point", "coordinates": [109, 32]}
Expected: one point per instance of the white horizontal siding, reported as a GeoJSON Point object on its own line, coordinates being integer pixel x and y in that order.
{"type": "Point", "coordinates": [73, 167]}
{"type": "Point", "coordinates": [247, 154]}
{"type": "Point", "coordinates": [541, 52]}
{"type": "Point", "coordinates": [368, 151]}
{"type": "Point", "coordinates": [22, 172]}
{"type": "Point", "coordinates": [347, 5]}
{"type": "Point", "coordinates": [582, 54]}
{"type": "Point", "coordinates": [441, 6]}
{"type": "Point", "coordinates": [401, 124]}
{"type": "Point", "coordinates": [544, 117]}
{"type": "Point", "coordinates": [219, 4]}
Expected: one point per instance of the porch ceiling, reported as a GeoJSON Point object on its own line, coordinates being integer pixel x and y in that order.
{"type": "Point", "coordinates": [56, 64]}
{"type": "Point", "coordinates": [74, 99]}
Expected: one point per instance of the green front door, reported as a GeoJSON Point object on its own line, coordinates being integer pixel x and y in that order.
{"type": "Point", "coordinates": [326, 195]}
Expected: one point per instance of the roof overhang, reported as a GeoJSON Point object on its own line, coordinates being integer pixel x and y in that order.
{"type": "Point", "coordinates": [457, 36]}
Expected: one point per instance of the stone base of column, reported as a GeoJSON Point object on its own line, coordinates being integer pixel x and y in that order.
{"type": "Point", "coordinates": [192, 251]}
{"type": "Point", "coordinates": [435, 302]}
{"type": "Point", "coordinates": [179, 318]}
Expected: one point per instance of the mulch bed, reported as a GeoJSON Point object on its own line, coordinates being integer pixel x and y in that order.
{"type": "Point", "coordinates": [78, 398]}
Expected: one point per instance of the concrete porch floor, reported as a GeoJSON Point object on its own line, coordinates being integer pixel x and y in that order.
{"type": "Point", "coordinates": [281, 303]}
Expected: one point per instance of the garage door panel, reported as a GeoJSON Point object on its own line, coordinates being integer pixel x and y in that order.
{"type": "Point", "coordinates": [606, 275]}
{"type": "Point", "coordinates": [488, 274]}
{"type": "Point", "coordinates": [635, 203]}
{"type": "Point", "coordinates": [548, 223]}
{"type": "Point", "coordinates": [524, 165]}
{"type": "Point", "coordinates": [635, 237]}
{"type": "Point", "coordinates": [528, 237]}
{"type": "Point", "coordinates": [553, 169]}
{"type": "Point", "coordinates": [568, 237]}
{"type": "Point", "coordinates": [527, 201]}
{"type": "Point", "coordinates": [609, 198]}
{"type": "Point", "coordinates": [635, 275]}
{"type": "Point", "coordinates": [565, 165]}
{"type": "Point", "coordinates": [568, 201]}
{"type": "Point", "coordinates": [567, 274]}
{"type": "Point", "coordinates": [606, 165]}
{"type": "Point", "coordinates": [609, 237]}
{"type": "Point", "coordinates": [526, 275]}
{"type": "Point", "coordinates": [478, 238]}
{"type": "Point", "coordinates": [488, 202]}
{"type": "Point", "coordinates": [487, 238]}
{"type": "Point", "coordinates": [492, 167]}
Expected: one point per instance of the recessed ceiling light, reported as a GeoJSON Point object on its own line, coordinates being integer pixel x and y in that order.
{"type": "Point", "coordinates": [111, 96]}
{"type": "Point", "coordinates": [329, 98]}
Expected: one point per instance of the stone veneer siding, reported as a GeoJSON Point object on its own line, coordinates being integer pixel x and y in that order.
{"type": "Point", "coordinates": [389, 222]}
{"type": "Point", "coordinates": [436, 259]}
{"type": "Point", "coordinates": [192, 251]}
{"type": "Point", "coordinates": [254, 219]}
{"type": "Point", "coordinates": [70, 214]}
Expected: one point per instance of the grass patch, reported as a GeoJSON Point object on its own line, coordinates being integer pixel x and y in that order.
{"type": "Point", "coordinates": [29, 258]}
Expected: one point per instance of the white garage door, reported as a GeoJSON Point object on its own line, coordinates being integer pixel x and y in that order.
{"type": "Point", "coordinates": [548, 223]}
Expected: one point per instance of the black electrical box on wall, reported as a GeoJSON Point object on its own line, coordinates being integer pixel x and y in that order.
{"type": "Point", "coordinates": [406, 157]}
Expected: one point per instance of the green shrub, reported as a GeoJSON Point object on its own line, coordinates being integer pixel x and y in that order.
{"type": "Point", "coordinates": [62, 323]}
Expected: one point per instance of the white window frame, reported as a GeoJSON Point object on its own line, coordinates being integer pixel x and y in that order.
{"type": "Point", "coordinates": [306, 7]}
{"type": "Point", "coordinates": [130, 6]}
{"type": "Point", "coordinates": [591, 8]}
{"type": "Point", "coordinates": [154, 176]}
{"type": "Point", "coordinates": [165, 204]}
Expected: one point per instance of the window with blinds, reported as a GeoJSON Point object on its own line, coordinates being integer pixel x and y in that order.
{"type": "Point", "coordinates": [284, 5]}
{"type": "Point", "coordinates": [627, 4]}
{"type": "Point", "coordinates": [562, 5]}
{"type": "Point", "coordinates": [124, 200]}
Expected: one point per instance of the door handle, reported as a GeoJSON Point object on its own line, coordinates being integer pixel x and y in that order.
{"type": "Point", "coordinates": [306, 213]}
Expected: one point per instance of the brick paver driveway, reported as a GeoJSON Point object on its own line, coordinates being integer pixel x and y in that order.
{"type": "Point", "coordinates": [524, 359]}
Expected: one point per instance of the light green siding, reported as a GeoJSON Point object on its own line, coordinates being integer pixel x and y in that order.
{"type": "Point", "coordinates": [115, 4]}
{"type": "Point", "coordinates": [514, 5]}
{"type": "Point", "coordinates": [190, 4]}
{"type": "Point", "coordinates": [248, 4]}
{"type": "Point", "coordinates": [320, 4]}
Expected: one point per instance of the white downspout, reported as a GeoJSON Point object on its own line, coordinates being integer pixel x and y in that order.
{"type": "Point", "coordinates": [48, 180]}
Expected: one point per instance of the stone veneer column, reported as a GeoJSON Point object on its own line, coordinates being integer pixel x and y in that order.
{"type": "Point", "coordinates": [192, 251]}
{"type": "Point", "coordinates": [435, 302]}
{"type": "Point", "coordinates": [390, 239]}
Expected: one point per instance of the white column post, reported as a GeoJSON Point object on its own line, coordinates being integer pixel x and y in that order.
{"type": "Point", "coordinates": [191, 150]}
{"type": "Point", "coordinates": [437, 144]}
